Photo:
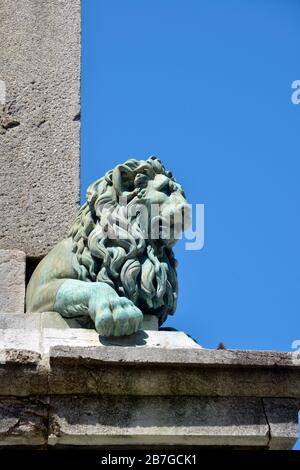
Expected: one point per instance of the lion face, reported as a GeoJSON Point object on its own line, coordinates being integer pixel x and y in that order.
{"type": "Point", "coordinates": [168, 213]}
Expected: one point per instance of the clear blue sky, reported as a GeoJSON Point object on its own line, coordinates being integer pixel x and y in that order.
{"type": "Point", "coordinates": [206, 87]}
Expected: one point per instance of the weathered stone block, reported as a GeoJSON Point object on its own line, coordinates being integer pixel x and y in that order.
{"type": "Point", "coordinates": [39, 123]}
{"type": "Point", "coordinates": [12, 281]}
{"type": "Point", "coordinates": [23, 421]}
{"type": "Point", "coordinates": [282, 416]}
{"type": "Point", "coordinates": [22, 373]}
{"type": "Point", "coordinates": [22, 369]}
{"type": "Point", "coordinates": [20, 331]}
{"type": "Point", "coordinates": [181, 371]}
{"type": "Point", "coordinates": [87, 421]}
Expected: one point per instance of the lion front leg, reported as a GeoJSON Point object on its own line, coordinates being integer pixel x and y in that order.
{"type": "Point", "coordinates": [113, 315]}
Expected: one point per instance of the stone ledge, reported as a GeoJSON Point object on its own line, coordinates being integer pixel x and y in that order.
{"type": "Point", "coordinates": [148, 421]}
{"type": "Point", "coordinates": [43, 348]}
{"type": "Point", "coordinates": [200, 357]}
{"type": "Point", "coordinates": [84, 373]}
{"type": "Point", "coordinates": [157, 420]}
{"type": "Point", "coordinates": [113, 370]}
{"type": "Point", "coordinates": [164, 390]}
{"type": "Point", "coordinates": [43, 331]}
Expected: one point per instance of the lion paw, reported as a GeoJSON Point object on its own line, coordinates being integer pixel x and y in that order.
{"type": "Point", "coordinates": [117, 317]}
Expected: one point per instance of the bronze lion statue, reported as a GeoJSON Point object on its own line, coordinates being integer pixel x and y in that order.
{"type": "Point", "coordinates": [117, 262]}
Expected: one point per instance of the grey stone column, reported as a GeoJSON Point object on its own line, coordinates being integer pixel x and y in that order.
{"type": "Point", "coordinates": [39, 122]}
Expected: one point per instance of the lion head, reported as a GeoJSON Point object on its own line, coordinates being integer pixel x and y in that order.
{"type": "Point", "coordinates": [113, 234]}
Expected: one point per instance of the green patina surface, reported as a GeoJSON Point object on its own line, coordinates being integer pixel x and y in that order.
{"type": "Point", "coordinates": [117, 263]}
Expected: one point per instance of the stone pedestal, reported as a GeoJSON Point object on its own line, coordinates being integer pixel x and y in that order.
{"type": "Point", "coordinates": [66, 386]}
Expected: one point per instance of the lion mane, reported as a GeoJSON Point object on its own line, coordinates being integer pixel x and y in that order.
{"type": "Point", "coordinates": [141, 269]}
